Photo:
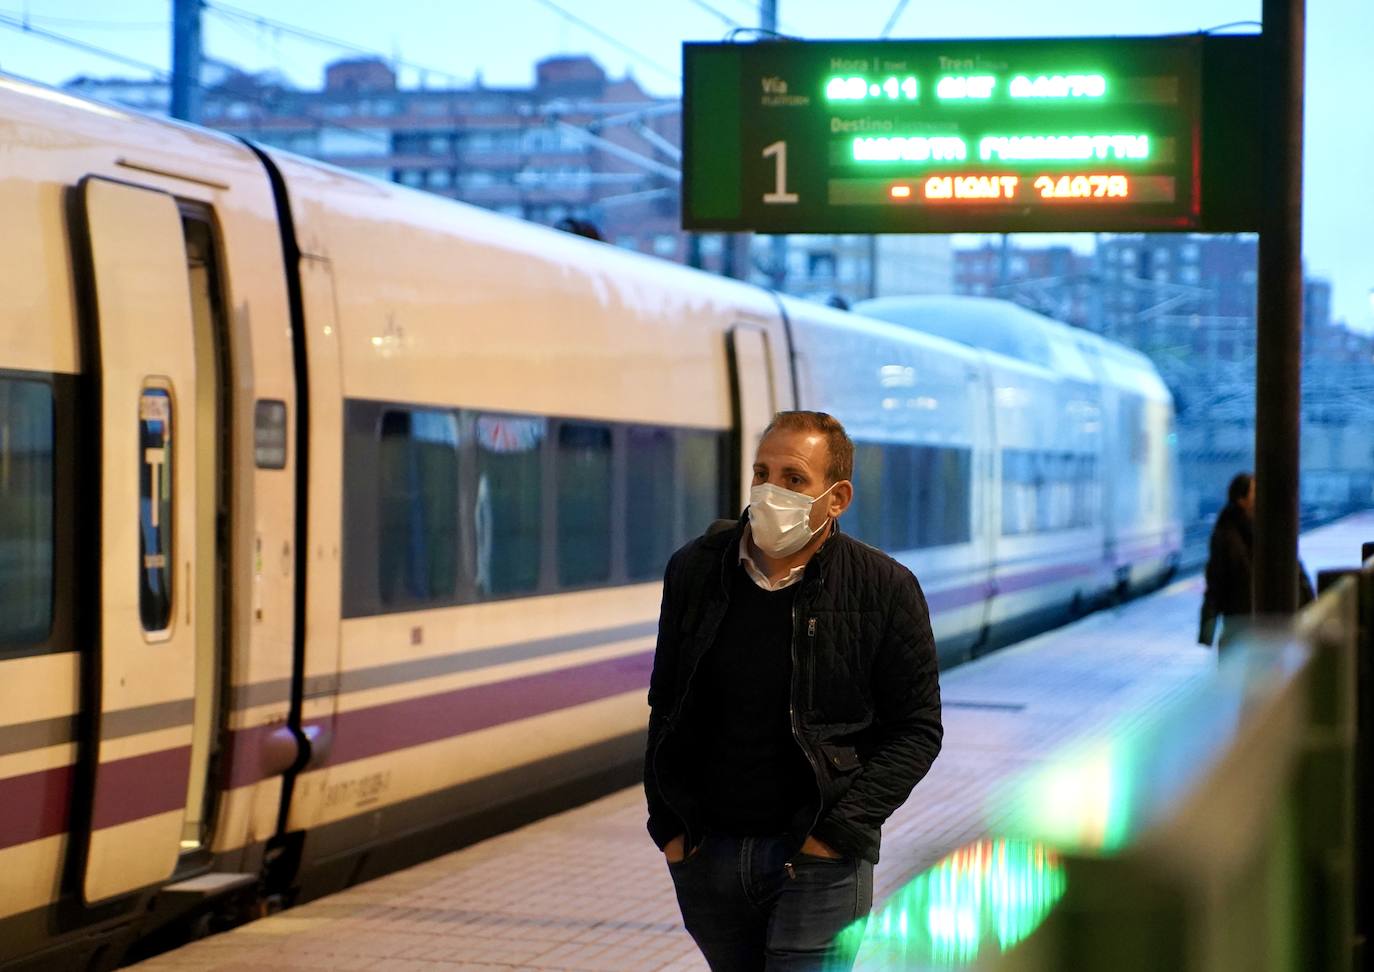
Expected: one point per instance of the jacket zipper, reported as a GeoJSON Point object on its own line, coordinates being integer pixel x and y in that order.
{"type": "Point", "coordinates": [792, 716]}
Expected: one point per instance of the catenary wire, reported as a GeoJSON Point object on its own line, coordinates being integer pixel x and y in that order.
{"type": "Point", "coordinates": [892, 20]}
{"type": "Point", "coordinates": [621, 46]}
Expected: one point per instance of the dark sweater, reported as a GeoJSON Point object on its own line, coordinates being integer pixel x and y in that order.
{"type": "Point", "coordinates": [1230, 562]}
{"type": "Point", "coordinates": [749, 773]}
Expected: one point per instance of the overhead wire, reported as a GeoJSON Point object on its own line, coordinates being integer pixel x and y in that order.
{"type": "Point", "coordinates": [304, 33]}
{"type": "Point", "coordinates": [718, 14]}
{"type": "Point", "coordinates": [619, 45]}
{"type": "Point", "coordinates": [892, 20]}
{"type": "Point", "coordinates": [87, 22]}
{"type": "Point", "coordinates": [227, 12]}
{"type": "Point", "coordinates": [17, 24]}
{"type": "Point", "coordinates": [159, 74]}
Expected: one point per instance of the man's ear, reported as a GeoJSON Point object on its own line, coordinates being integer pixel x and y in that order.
{"type": "Point", "coordinates": [840, 497]}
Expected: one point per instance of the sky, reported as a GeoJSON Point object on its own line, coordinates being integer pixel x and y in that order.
{"type": "Point", "coordinates": [459, 40]}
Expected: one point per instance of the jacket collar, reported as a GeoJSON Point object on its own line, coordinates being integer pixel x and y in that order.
{"type": "Point", "coordinates": [816, 567]}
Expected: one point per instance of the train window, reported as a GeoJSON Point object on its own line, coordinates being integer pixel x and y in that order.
{"type": "Point", "coordinates": [908, 497]}
{"type": "Point", "coordinates": [584, 504]}
{"type": "Point", "coordinates": [269, 433]}
{"type": "Point", "coordinates": [699, 469]}
{"type": "Point", "coordinates": [155, 508]}
{"type": "Point", "coordinates": [866, 513]}
{"type": "Point", "coordinates": [1045, 491]}
{"type": "Point", "coordinates": [509, 511]}
{"type": "Point", "coordinates": [26, 511]}
{"type": "Point", "coordinates": [418, 507]}
{"type": "Point", "coordinates": [650, 532]}
{"type": "Point", "coordinates": [946, 514]}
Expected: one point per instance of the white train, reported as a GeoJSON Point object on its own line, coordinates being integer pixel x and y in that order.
{"type": "Point", "coordinates": [333, 515]}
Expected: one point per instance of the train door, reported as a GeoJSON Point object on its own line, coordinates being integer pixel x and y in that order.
{"type": "Point", "coordinates": [152, 682]}
{"type": "Point", "coordinates": [755, 400]}
{"type": "Point", "coordinates": [320, 662]}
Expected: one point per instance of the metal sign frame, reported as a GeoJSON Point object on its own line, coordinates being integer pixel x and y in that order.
{"type": "Point", "coordinates": [1027, 135]}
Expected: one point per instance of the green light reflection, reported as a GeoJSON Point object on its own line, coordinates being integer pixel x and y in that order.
{"type": "Point", "coordinates": [984, 898]}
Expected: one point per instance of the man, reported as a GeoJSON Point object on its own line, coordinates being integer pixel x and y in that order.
{"type": "Point", "coordinates": [1230, 564]}
{"type": "Point", "coordinates": [1230, 567]}
{"type": "Point", "coordinates": [794, 703]}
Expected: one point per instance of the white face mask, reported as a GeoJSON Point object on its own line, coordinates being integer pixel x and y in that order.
{"type": "Point", "coordinates": [780, 520]}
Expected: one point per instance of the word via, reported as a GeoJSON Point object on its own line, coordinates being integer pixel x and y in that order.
{"type": "Point", "coordinates": [1083, 187]}
{"type": "Point", "coordinates": [857, 88]}
{"type": "Point", "coordinates": [1063, 147]}
{"type": "Point", "coordinates": [915, 148]}
{"type": "Point", "coordinates": [955, 87]}
{"type": "Point", "coordinates": [1059, 86]}
{"type": "Point", "coordinates": [971, 187]}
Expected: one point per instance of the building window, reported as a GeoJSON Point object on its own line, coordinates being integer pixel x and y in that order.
{"type": "Point", "coordinates": [27, 485]}
{"type": "Point", "coordinates": [665, 244]}
{"type": "Point", "coordinates": [820, 266]}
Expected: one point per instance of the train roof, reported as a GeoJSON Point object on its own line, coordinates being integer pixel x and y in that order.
{"type": "Point", "coordinates": [1015, 332]}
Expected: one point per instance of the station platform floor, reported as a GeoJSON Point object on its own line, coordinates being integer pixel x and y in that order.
{"type": "Point", "coordinates": [587, 890]}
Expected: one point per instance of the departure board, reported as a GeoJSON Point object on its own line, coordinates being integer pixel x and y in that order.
{"type": "Point", "coordinates": [954, 136]}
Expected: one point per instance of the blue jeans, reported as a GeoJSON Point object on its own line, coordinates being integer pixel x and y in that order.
{"type": "Point", "coordinates": [754, 904]}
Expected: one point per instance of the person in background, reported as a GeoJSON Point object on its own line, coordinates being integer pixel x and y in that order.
{"type": "Point", "coordinates": [1229, 595]}
{"type": "Point", "coordinates": [794, 704]}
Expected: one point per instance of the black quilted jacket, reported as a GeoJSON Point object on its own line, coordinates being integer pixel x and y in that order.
{"type": "Point", "coordinates": [865, 686]}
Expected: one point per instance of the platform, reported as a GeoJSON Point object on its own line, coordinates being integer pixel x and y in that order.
{"type": "Point", "coordinates": [587, 890]}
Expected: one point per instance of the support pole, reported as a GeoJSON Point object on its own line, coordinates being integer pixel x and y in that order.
{"type": "Point", "coordinates": [1278, 366]}
{"type": "Point", "coordinates": [186, 60]}
{"type": "Point", "coordinates": [777, 260]}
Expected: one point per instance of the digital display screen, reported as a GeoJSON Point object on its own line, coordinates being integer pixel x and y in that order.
{"type": "Point", "coordinates": [945, 136]}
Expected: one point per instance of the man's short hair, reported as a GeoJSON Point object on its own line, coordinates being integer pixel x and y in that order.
{"type": "Point", "coordinates": [1239, 488]}
{"type": "Point", "coordinates": [838, 444]}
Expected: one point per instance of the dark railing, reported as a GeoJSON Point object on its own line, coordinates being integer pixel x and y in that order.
{"type": "Point", "coordinates": [1238, 844]}
{"type": "Point", "coordinates": [1225, 830]}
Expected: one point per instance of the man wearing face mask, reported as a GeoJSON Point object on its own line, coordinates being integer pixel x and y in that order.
{"type": "Point", "coordinates": [794, 704]}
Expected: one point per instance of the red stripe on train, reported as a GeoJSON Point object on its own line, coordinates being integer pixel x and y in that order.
{"type": "Point", "coordinates": [38, 805]}
{"type": "Point", "coordinates": [414, 722]}
{"type": "Point", "coordinates": [35, 805]}
{"type": "Point", "coordinates": [141, 786]}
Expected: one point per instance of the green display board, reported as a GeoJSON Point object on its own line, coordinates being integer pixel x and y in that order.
{"type": "Point", "coordinates": [1119, 134]}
